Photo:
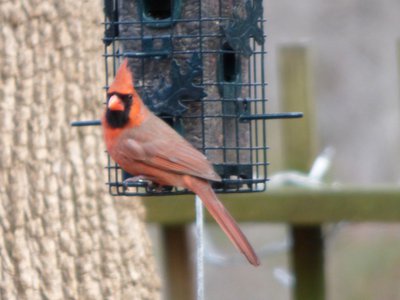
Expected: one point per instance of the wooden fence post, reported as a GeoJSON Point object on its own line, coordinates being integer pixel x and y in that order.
{"type": "Point", "coordinates": [299, 145]}
{"type": "Point", "coordinates": [178, 267]}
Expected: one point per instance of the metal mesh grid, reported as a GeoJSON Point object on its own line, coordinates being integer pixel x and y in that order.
{"type": "Point", "coordinates": [206, 49]}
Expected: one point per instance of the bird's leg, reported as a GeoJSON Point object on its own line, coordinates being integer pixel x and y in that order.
{"type": "Point", "coordinates": [141, 178]}
{"type": "Point", "coordinates": [150, 182]}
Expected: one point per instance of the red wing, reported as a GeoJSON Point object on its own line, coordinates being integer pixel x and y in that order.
{"type": "Point", "coordinates": [156, 144]}
{"type": "Point", "coordinates": [181, 157]}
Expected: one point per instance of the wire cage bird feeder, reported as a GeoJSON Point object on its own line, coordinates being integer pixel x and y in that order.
{"type": "Point", "coordinates": [199, 65]}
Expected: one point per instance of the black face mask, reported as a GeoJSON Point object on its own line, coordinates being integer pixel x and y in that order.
{"type": "Point", "coordinates": [118, 118]}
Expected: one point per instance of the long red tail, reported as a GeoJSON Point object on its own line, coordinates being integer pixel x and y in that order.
{"type": "Point", "coordinates": [203, 189]}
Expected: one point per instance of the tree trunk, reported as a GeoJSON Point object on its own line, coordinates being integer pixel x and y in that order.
{"type": "Point", "coordinates": [61, 235]}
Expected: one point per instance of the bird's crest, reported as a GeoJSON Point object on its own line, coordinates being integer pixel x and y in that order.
{"type": "Point", "coordinates": [123, 81]}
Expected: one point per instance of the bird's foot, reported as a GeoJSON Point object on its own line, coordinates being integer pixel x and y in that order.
{"type": "Point", "coordinates": [140, 178]}
{"type": "Point", "coordinates": [147, 181]}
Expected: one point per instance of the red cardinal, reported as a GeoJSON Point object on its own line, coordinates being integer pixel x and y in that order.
{"type": "Point", "coordinates": [145, 146]}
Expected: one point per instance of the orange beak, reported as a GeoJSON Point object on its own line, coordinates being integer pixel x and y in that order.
{"type": "Point", "coordinates": [115, 103]}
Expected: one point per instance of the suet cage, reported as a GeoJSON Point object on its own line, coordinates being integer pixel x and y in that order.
{"type": "Point", "coordinates": [199, 65]}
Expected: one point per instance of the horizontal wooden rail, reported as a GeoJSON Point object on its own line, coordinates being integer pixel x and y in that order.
{"type": "Point", "coordinates": [297, 206]}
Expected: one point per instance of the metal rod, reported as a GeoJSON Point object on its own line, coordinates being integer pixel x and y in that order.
{"type": "Point", "coordinates": [289, 115]}
{"type": "Point", "coordinates": [86, 123]}
{"type": "Point", "coordinates": [199, 205]}
{"type": "Point", "coordinates": [146, 54]}
{"type": "Point", "coordinates": [199, 249]}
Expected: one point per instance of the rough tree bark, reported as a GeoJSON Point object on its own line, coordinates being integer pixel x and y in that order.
{"type": "Point", "coordinates": [61, 235]}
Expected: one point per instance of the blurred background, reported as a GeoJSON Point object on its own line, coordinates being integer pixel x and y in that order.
{"type": "Point", "coordinates": [354, 61]}
{"type": "Point", "coordinates": [64, 237]}
{"type": "Point", "coordinates": [354, 53]}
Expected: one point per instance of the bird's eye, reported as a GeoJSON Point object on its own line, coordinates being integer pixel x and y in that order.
{"type": "Point", "coordinates": [127, 98]}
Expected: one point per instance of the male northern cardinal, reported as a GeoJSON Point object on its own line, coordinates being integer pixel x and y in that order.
{"type": "Point", "coordinates": [147, 147]}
